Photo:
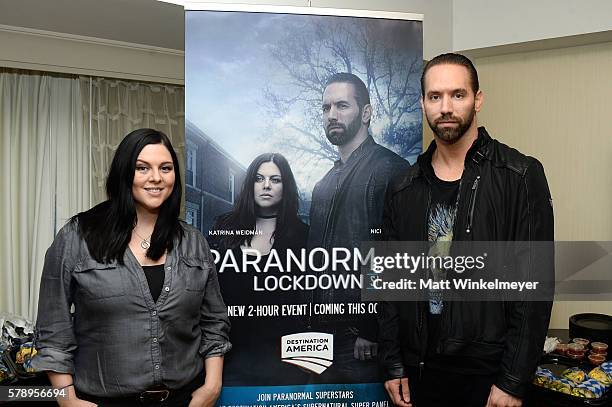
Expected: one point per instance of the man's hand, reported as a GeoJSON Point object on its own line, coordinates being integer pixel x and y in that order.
{"type": "Point", "coordinates": [205, 396]}
{"type": "Point", "coordinates": [499, 398]}
{"type": "Point", "coordinates": [365, 349]}
{"type": "Point", "coordinates": [399, 392]}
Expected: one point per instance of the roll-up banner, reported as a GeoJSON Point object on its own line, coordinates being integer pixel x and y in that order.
{"type": "Point", "coordinates": [297, 119]}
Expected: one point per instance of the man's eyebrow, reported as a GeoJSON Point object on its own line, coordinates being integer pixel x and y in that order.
{"type": "Point", "coordinates": [336, 102]}
{"type": "Point", "coordinates": [442, 91]}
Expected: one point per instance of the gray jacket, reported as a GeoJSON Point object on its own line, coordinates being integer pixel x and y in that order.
{"type": "Point", "coordinates": [118, 341]}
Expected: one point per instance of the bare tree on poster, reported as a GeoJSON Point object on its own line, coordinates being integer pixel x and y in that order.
{"type": "Point", "coordinates": [311, 52]}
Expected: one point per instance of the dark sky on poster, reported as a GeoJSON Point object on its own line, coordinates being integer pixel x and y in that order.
{"type": "Point", "coordinates": [254, 82]}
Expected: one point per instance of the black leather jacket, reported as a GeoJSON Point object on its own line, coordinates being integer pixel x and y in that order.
{"type": "Point", "coordinates": [503, 196]}
{"type": "Point", "coordinates": [346, 209]}
{"type": "Point", "coordinates": [347, 203]}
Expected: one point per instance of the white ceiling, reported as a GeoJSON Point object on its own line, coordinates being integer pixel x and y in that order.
{"type": "Point", "coordinates": [147, 22]}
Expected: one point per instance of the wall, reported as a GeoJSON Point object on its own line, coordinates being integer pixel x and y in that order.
{"type": "Point", "coordinates": [74, 54]}
{"type": "Point", "coordinates": [146, 22]}
{"type": "Point", "coordinates": [488, 23]}
{"type": "Point", "coordinates": [555, 106]}
{"type": "Point", "coordinates": [136, 39]}
{"type": "Point", "coordinates": [437, 22]}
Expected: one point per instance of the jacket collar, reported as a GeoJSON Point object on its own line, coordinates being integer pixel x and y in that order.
{"type": "Point", "coordinates": [359, 151]}
{"type": "Point", "coordinates": [478, 150]}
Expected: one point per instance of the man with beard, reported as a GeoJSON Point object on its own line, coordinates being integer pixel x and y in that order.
{"type": "Point", "coordinates": [465, 187]}
{"type": "Point", "coordinates": [346, 209]}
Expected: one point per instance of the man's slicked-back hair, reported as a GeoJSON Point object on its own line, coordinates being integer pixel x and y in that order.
{"type": "Point", "coordinates": [361, 91]}
{"type": "Point", "coordinates": [452, 59]}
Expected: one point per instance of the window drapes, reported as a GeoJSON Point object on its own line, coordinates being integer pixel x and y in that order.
{"type": "Point", "coordinates": [116, 107]}
{"type": "Point", "coordinates": [45, 177]}
{"type": "Point", "coordinates": [58, 135]}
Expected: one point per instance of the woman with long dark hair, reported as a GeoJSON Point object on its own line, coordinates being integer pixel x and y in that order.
{"type": "Point", "coordinates": [148, 321]}
{"type": "Point", "coordinates": [264, 219]}
{"type": "Point", "coordinates": [267, 206]}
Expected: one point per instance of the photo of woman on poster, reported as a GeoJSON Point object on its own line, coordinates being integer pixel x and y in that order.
{"type": "Point", "coordinates": [264, 219]}
{"type": "Point", "coordinates": [267, 204]}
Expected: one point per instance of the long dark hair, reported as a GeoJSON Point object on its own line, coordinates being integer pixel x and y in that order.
{"type": "Point", "coordinates": [107, 227]}
{"type": "Point", "coordinates": [244, 213]}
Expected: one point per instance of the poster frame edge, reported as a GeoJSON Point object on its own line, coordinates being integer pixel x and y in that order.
{"type": "Point", "coordinates": [321, 11]}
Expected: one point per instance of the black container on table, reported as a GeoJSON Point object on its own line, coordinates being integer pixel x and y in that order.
{"type": "Point", "coordinates": [595, 327]}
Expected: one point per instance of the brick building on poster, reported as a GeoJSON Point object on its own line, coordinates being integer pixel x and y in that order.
{"type": "Point", "coordinates": [213, 179]}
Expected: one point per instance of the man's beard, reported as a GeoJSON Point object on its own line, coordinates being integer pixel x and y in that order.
{"type": "Point", "coordinates": [451, 134]}
{"type": "Point", "coordinates": [339, 138]}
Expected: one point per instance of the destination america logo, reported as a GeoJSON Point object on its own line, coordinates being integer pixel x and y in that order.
{"type": "Point", "coordinates": [312, 351]}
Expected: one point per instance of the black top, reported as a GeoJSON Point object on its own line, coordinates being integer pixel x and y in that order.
{"type": "Point", "coordinates": [256, 339]}
{"type": "Point", "coordinates": [440, 221]}
{"type": "Point", "coordinates": [440, 224]}
{"type": "Point", "coordinates": [155, 278]}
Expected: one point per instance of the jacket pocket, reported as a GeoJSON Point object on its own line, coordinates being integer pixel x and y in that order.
{"type": "Point", "coordinates": [195, 272]}
{"type": "Point", "coordinates": [99, 280]}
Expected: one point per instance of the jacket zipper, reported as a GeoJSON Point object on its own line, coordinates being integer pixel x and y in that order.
{"type": "Point", "coordinates": [420, 312]}
{"type": "Point", "coordinates": [329, 215]}
{"type": "Point", "coordinates": [470, 217]}
{"type": "Point", "coordinates": [421, 360]}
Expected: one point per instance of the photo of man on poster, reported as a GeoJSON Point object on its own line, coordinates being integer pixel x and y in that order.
{"type": "Point", "coordinates": [346, 210]}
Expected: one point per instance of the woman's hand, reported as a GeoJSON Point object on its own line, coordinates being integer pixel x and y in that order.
{"type": "Point", "coordinates": [205, 396]}
{"type": "Point", "coordinates": [64, 382]}
{"type": "Point", "coordinates": [74, 402]}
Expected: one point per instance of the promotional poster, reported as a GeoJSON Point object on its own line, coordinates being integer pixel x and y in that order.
{"type": "Point", "coordinates": [297, 120]}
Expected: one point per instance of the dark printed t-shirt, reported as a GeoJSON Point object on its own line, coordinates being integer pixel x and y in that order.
{"type": "Point", "coordinates": [441, 218]}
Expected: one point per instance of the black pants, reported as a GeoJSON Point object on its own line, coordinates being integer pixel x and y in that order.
{"type": "Point", "coordinates": [178, 398]}
{"type": "Point", "coordinates": [441, 388]}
